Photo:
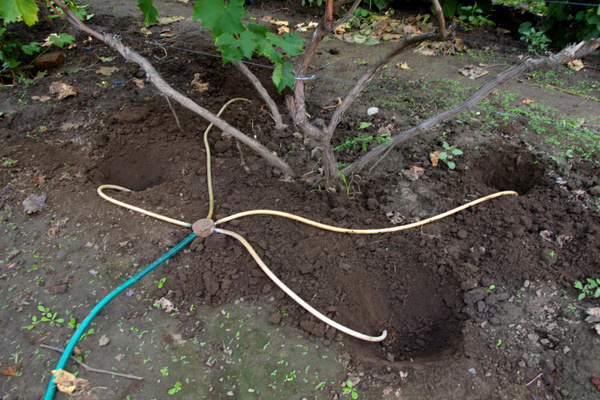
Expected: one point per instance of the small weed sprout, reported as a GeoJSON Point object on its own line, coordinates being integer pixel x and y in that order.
{"type": "Point", "coordinates": [161, 283]}
{"type": "Point", "coordinates": [73, 323]}
{"type": "Point", "coordinates": [350, 389]}
{"type": "Point", "coordinates": [9, 162]}
{"type": "Point", "coordinates": [346, 184]}
{"type": "Point", "coordinates": [176, 388]}
{"type": "Point", "coordinates": [164, 371]}
{"type": "Point", "coordinates": [490, 288]}
{"type": "Point", "coordinates": [47, 316]}
{"type": "Point", "coordinates": [448, 154]}
{"type": "Point", "coordinates": [590, 289]}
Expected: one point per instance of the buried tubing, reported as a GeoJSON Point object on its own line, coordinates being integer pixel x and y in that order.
{"type": "Point", "coordinates": [96, 310]}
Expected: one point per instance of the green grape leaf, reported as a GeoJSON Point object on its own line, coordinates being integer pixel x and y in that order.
{"type": "Point", "coordinates": [265, 48]}
{"type": "Point", "coordinates": [290, 44]}
{"type": "Point", "coordinates": [237, 48]}
{"type": "Point", "coordinates": [220, 16]}
{"type": "Point", "coordinates": [283, 76]}
{"type": "Point", "coordinates": [31, 48]}
{"type": "Point", "coordinates": [12, 10]}
{"type": "Point", "coordinates": [149, 11]}
{"type": "Point", "coordinates": [259, 30]}
{"type": "Point", "coordinates": [60, 40]}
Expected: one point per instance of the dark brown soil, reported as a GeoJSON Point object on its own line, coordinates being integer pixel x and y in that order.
{"type": "Point", "coordinates": [428, 287]}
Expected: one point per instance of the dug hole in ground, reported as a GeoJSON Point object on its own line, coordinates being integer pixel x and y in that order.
{"type": "Point", "coordinates": [480, 305]}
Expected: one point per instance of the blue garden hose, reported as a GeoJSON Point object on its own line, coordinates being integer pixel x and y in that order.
{"type": "Point", "coordinates": [86, 322]}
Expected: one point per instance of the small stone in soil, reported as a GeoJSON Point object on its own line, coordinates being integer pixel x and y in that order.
{"type": "Point", "coordinates": [475, 295]}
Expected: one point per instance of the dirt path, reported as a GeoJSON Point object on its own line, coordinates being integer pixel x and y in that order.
{"type": "Point", "coordinates": [480, 305]}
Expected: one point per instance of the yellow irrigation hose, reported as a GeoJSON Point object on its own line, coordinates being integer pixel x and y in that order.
{"type": "Point", "coordinates": [365, 231]}
{"type": "Point", "coordinates": [207, 227]}
{"type": "Point", "coordinates": [270, 274]}
{"type": "Point", "coordinates": [297, 298]}
{"type": "Point", "coordinates": [134, 208]}
{"type": "Point", "coordinates": [211, 197]}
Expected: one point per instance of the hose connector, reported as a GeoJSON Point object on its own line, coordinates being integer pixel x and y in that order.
{"type": "Point", "coordinates": [203, 227]}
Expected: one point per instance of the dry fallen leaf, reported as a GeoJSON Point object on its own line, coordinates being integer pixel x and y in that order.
{"type": "Point", "coordinates": [426, 52]}
{"type": "Point", "coordinates": [167, 33]}
{"type": "Point", "coordinates": [595, 381]}
{"type": "Point", "coordinates": [145, 31]}
{"type": "Point", "coordinates": [403, 65]}
{"type": "Point", "coordinates": [576, 65]}
{"type": "Point", "coordinates": [33, 203]}
{"type": "Point", "coordinates": [138, 82]}
{"type": "Point", "coordinates": [9, 371]}
{"type": "Point", "coordinates": [303, 27]}
{"type": "Point", "coordinates": [413, 173]}
{"type": "Point", "coordinates": [38, 179]}
{"type": "Point", "coordinates": [280, 23]}
{"type": "Point", "coordinates": [434, 158]}
{"type": "Point", "coordinates": [528, 101]}
{"type": "Point", "coordinates": [43, 99]}
{"type": "Point", "coordinates": [169, 20]}
{"type": "Point", "coordinates": [340, 30]}
{"type": "Point", "coordinates": [68, 383]}
{"type": "Point", "coordinates": [494, 92]}
{"type": "Point", "coordinates": [63, 90]}
{"type": "Point", "coordinates": [200, 86]}
{"type": "Point", "coordinates": [166, 305]}
{"type": "Point", "coordinates": [107, 71]}
{"type": "Point", "coordinates": [386, 130]}
{"type": "Point", "coordinates": [594, 315]}
{"type": "Point", "coordinates": [283, 29]}
{"type": "Point", "coordinates": [473, 71]}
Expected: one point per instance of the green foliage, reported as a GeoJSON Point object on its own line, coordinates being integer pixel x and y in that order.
{"type": "Point", "coordinates": [236, 41]}
{"type": "Point", "coordinates": [46, 316]}
{"type": "Point", "coordinates": [448, 154]}
{"type": "Point", "coordinates": [537, 39]}
{"type": "Point", "coordinates": [60, 40]}
{"type": "Point", "coordinates": [350, 389]}
{"type": "Point", "coordinates": [311, 2]}
{"type": "Point", "coordinates": [73, 323]}
{"type": "Point", "coordinates": [566, 22]}
{"type": "Point", "coordinates": [220, 17]}
{"type": "Point", "coordinates": [19, 10]}
{"type": "Point", "coordinates": [161, 283]}
{"type": "Point", "coordinates": [363, 140]}
{"type": "Point", "coordinates": [12, 50]}
{"type": "Point", "coordinates": [473, 15]}
{"type": "Point", "coordinates": [590, 289]}
{"type": "Point", "coordinates": [149, 11]}
{"type": "Point", "coordinates": [453, 8]}
{"type": "Point", "coordinates": [176, 388]}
